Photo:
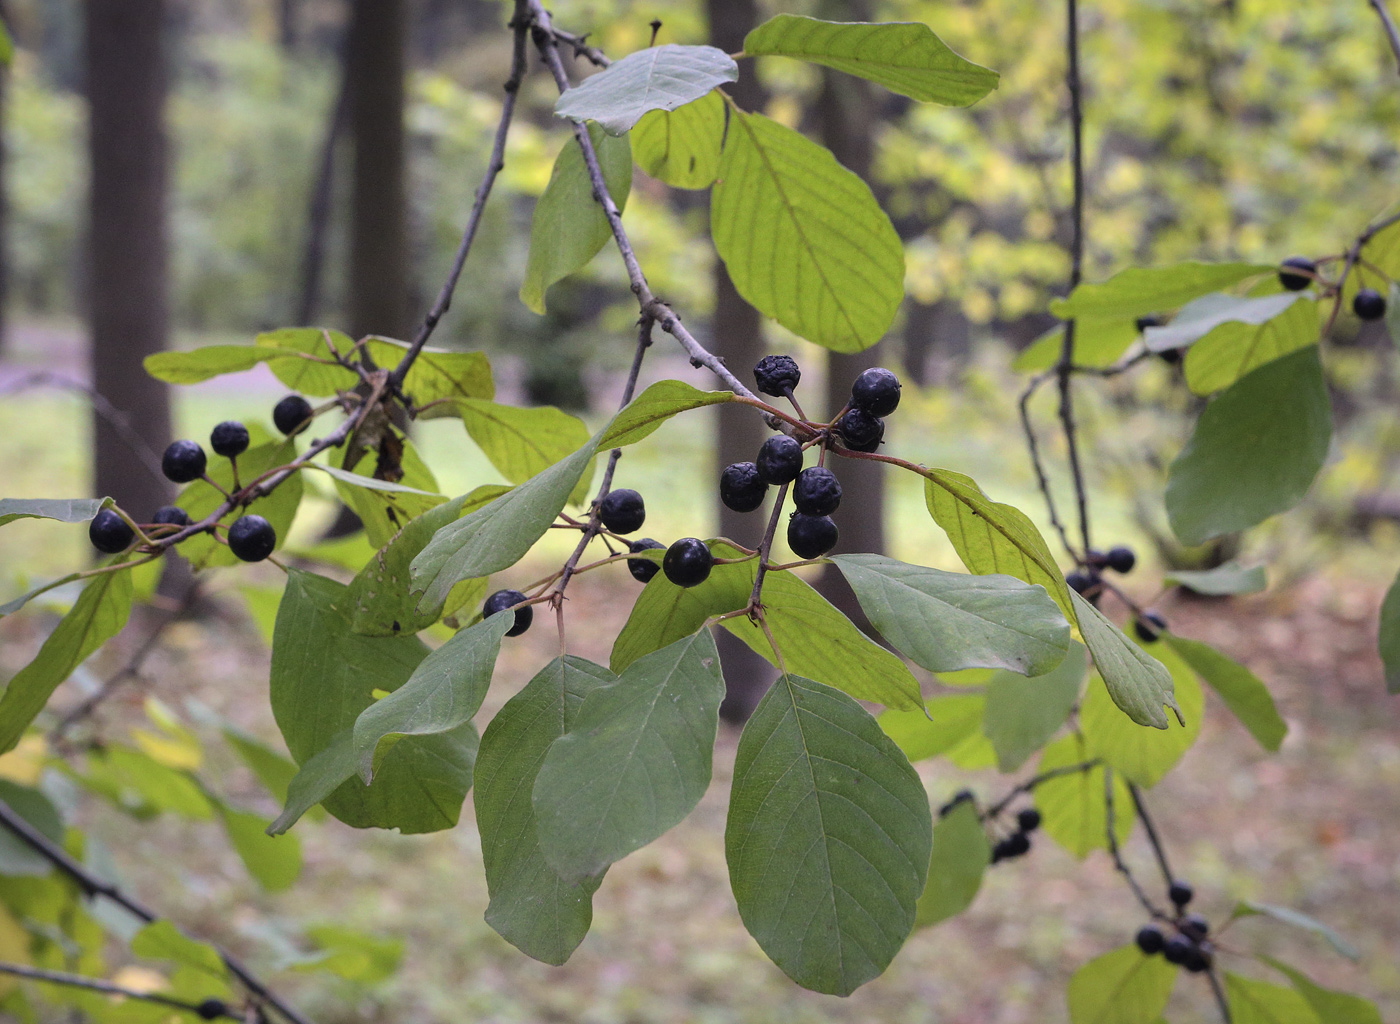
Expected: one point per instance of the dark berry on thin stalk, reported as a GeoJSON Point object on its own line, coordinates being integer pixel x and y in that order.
{"type": "Point", "coordinates": [1144, 322]}
{"type": "Point", "coordinates": [960, 797]}
{"type": "Point", "coordinates": [291, 414]}
{"type": "Point", "coordinates": [1079, 582]}
{"type": "Point", "coordinates": [741, 487]}
{"type": "Point", "coordinates": [623, 511]}
{"type": "Point", "coordinates": [1028, 819]}
{"type": "Point", "coordinates": [183, 461]}
{"type": "Point", "coordinates": [1170, 356]}
{"type": "Point", "coordinates": [1148, 628]}
{"type": "Point", "coordinates": [1095, 558]}
{"type": "Point", "coordinates": [110, 533]}
{"type": "Point", "coordinates": [171, 515]}
{"type": "Point", "coordinates": [817, 492]}
{"type": "Point", "coordinates": [688, 562]}
{"type": "Point", "coordinates": [811, 536]}
{"type": "Point", "coordinates": [1018, 844]}
{"type": "Point", "coordinates": [229, 439]}
{"type": "Point", "coordinates": [1369, 304]}
{"type": "Point", "coordinates": [503, 599]}
{"type": "Point", "coordinates": [1296, 282]}
{"type": "Point", "coordinates": [876, 392]}
{"type": "Point", "coordinates": [1121, 559]}
{"type": "Point", "coordinates": [1177, 949]}
{"type": "Point", "coordinates": [643, 569]}
{"type": "Point", "coordinates": [1200, 958]}
{"type": "Point", "coordinates": [251, 538]}
{"type": "Point", "coordinates": [1180, 891]}
{"type": "Point", "coordinates": [1194, 926]}
{"type": "Point", "coordinates": [860, 431]}
{"type": "Point", "coordinates": [776, 375]}
{"type": "Point", "coordinates": [779, 460]}
{"type": "Point", "coordinates": [1150, 939]}
{"type": "Point", "coordinates": [212, 1009]}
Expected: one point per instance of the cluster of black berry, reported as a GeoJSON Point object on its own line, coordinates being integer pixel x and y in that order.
{"type": "Point", "coordinates": [1018, 843]}
{"type": "Point", "coordinates": [1297, 272]}
{"type": "Point", "coordinates": [1187, 946]}
{"type": "Point", "coordinates": [1089, 580]}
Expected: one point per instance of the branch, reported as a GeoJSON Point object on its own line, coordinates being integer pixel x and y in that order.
{"type": "Point", "coordinates": [93, 886]}
{"type": "Point", "coordinates": [765, 548]}
{"type": "Point", "coordinates": [1034, 447]}
{"type": "Point", "coordinates": [1031, 783]}
{"type": "Point", "coordinates": [1391, 32]}
{"type": "Point", "coordinates": [1118, 861]}
{"type": "Point", "coordinates": [1219, 994]}
{"type": "Point", "coordinates": [1157, 848]}
{"type": "Point", "coordinates": [98, 985]}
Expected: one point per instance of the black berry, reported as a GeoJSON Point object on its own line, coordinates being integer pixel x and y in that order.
{"type": "Point", "coordinates": [960, 797]}
{"type": "Point", "coordinates": [212, 1009]}
{"type": "Point", "coordinates": [1298, 281]}
{"type": "Point", "coordinates": [171, 515]}
{"type": "Point", "coordinates": [1018, 844]}
{"type": "Point", "coordinates": [1170, 356]}
{"type": "Point", "coordinates": [1177, 949]}
{"type": "Point", "coordinates": [1180, 891]}
{"type": "Point", "coordinates": [817, 492]}
{"type": "Point", "coordinates": [503, 599]}
{"type": "Point", "coordinates": [1150, 939]}
{"type": "Point", "coordinates": [110, 533]}
{"type": "Point", "coordinates": [1028, 819]}
{"type": "Point", "coordinates": [183, 461]}
{"type": "Point", "coordinates": [741, 487]}
{"type": "Point", "coordinates": [291, 414]}
{"type": "Point", "coordinates": [1369, 304]}
{"type": "Point", "coordinates": [811, 536]}
{"type": "Point", "coordinates": [876, 391]}
{"type": "Point", "coordinates": [1199, 958]}
{"type": "Point", "coordinates": [643, 569]}
{"type": "Point", "coordinates": [229, 439]}
{"type": "Point", "coordinates": [1080, 582]}
{"type": "Point", "coordinates": [1144, 322]}
{"type": "Point", "coordinates": [776, 375]}
{"type": "Point", "coordinates": [251, 538]}
{"type": "Point", "coordinates": [1095, 558]}
{"type": "Point", "coordinates": [1148, 628]}
{"type": "Point", "coordinates": [860, 431]}
{"type": "Point", "coordinates": [779, 460]}
{"type": "Point", "coordinates": [688, 562]}
{"type": "Point", "coordinates": [1121, 559]}
{"type": "Point", "coordinates": [623, 511]}
{"type": "Point", "coordinates": [1194, 926]}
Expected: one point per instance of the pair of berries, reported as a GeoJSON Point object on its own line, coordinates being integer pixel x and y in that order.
{"type": "Point", "coordinates": [874, 394]}
{"type": "Point", "coordinates": [251, 538]}
{"type": "Point", "coordinates": [1120, 559]}
{"type": "Point", "coordinates": [687, 562]}
{"type": "Point", "coordinates": [1018, 843]}
{"type": "Point", "coordinates": [1297, 272]}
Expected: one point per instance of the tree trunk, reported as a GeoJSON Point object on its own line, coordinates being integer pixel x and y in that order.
{"type": "Point", "coordinates": [319, 205]}
{"type": "Point", "coordinates": [128, 305]}
{"type": "Point", "coordinates": [287, 33]}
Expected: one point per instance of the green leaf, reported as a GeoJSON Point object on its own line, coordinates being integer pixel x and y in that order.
{"type": "Point", "coordinates": [682, 147]}
{"type": "Point", "coordinates": [16, 856]}
{"type": "Point", "coordinates": [905, 58]}
{"type": "Point", "coordinates": [658, 78]}
{"type": "Point", "coordinates": [287, 350]}
{"type": "Point", "coordinates": [991, 537]}
{"type": "Point", "coordinates": [1255, 450]}
{"type": "Point", "coordinates": [1389, 640]}
{"type": "Point", "coordinates": [138, 783]}
{"type": "Point", "coordinates": [444, 692]}
{"type": "Point", "coordinates": [1121, 987]}
{"type": "Point", "coordinates": [1296, 918]}
{"type": "Point", "coordinates": [960, 856]}
{"type": "Point", "coordinates": [1199, 317]}
{"type": "Point", "coordinates": [319, 777]}
{"type": "Point", "coordinates": [1072, 807]}
{"type": "Point", "coordinates": [384, 513]}
{"type": "Point", "coordinates": [1241, 690]}
{"type": "Point", "coordinates": [1143, 756]}
{"type": "Point", "coordinates": [828, 839]}
{"type": "Point", "coordinates": [532, 907]}
{"type": "Point", "coordinates": [274, 770]}
{"type": "Point", "coordinates": [1230, 578]}
{"type": "Point", "coordinates": [947, 621]}
{"type": "Point", "coordinates": [1022, 714]}
{"type": "Point", "coordinates": [936, 727]}
{"type": "Point", "coordinates": [437, 373]}
{"type": "Point", "coordinates": [522, 442]}
{"type": "Point", "coordinates": [1098, 341]}
{"type": "Point", "coordinates": [369, 483]}
{"type": "Point", "coordinates": [98, 615]}
{"type": "Point", "coordinates": [201, 364]}
{"type": "Point", "coordinates": [569, 226]}
{"type": "Point", "coordinates": [279, 508]}
{"type": "Point", "coordinates": [803, 238]}
{"type": "Point", "coordinates": [1138, 683]}
{"type": "Point", "coordinates": [653, 407]}
{"type": "Point", "coordinates": [201, 969]}
{"type": "Point", "coordinates": [65, 510]}
{"type": "Point", "coordinates": [1262, 1002]}
{"type": "Point", "coordinates": [10, 607]}
{"type": "Point", "coordinates": [351, 955]}
{"type": "Point", "coordinates": [636, 761]}
{"type": "Point", "coordinates": [1331, 1006]}
{"type": "Point", "coordinates": [274, 862]}
{"type": "Point", "coordinates": [1139, 291]}
{"type": "Point", "coordinates": [1233, 349]}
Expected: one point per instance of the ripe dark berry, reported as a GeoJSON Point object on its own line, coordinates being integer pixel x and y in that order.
{"type": "Point", "coordinates": [623, 511]}
{"type": "Point", "coordinates": [1369, 304]}
{"type": "Point", "coordinates": [183, 461]}
{"type": "Point", "coordinates": [1018, 844]}
{"type": "Point", "coordinates": [1180, 891]}
{"type": "Point", "coordinates": [741, 487]}
{"type": "Point", "coordinates": [779, 460]}
{"type": "Point", "coordinates": [777, 375]}
{"type": "Point", "coordinates": [817, 492]}
{"type": "Point", "coordinates": [1298, 281]}
{"type": "Point", "coordinates": [1028, 819]}
{"type": "Point", "coordinates": [229, 439]}
{"type": "Point", "coordinates": [688, 562]}
{"type": "Point", "coordinates": [1170, 356]}
{"type": "Point", "coordinates": [291, 414]}
{"type": "Point", "coordinates": [860, 431]}
{"type": "Point", "coordinates": [1194, 926]}
{"type": "Point", "coordinates": [1121, 559]}
{"type": "Point", "coordinates": [1199, 958]}
{"type": "Point", "coordinates": [1079, 582]}
{"type": "Point", "coordinates": [1150, 939]}
{"type": "Point", "coordinates": [1177, 949]}
{"type": "Point", "coordinates": [876, 391]}
{"type": "Point", "coordinates": [960, 797]}
{"type": "Point", "coordinates": [643, 569]}
{"type": "Point", "coordinates": [1144, 322]}
{"type": "Point", "coordinates": [1148, 628]}
{"type": "Point", "coordinates": [212, 1009]}
{"type": "Point", "coordinates": [1095, 558]}
{"type": "Point", "coordinates": [171, 515]}
{"type": "Point", "coordinates": [811, 536]}
{"type": "Point", "coordinates": [251, 538]}
{"type": "Point", "coordinates": [503, 599]}
{"type": "Point", "coordinates": [110, 533]}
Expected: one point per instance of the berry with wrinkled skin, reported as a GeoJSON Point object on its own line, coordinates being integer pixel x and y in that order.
{"type": "Point", "coordinates": [1121, 559]}
{"type": "Point", "coordinates": [291, 414]}
{"type": "Point", "coordinates": [503, 599]}
{"type": "Point", "coordinates": [1297, 282]}
{"type": "Point", "coordinates": [623, 511]}
{"type": "Point", "coordinates": [1194, 926]}
{"type": "Point", "coordinates": [110, 533]}
{"type": "Point", "coordinates": [876, 391]}
{"type": "Point", "coordinates": [1148, 628]}
{"type": "Point", "coordinates": [1180, 891]}
{"type": "Point", "coordinates": [1199, 959]}
{"type": "Point", "coordinates": [171, 515]}
{"type": "Point", "coordinates": [643, 569]}
{"type": "Point", "coordinates": [1150, 939]}
{"type": "Point", "coordinates": [777, 375]}
{"type": "Point", "coordinates": [229, 439]}
{"type": "Point", "coordinates": [1028, 819]}
{"type": "Point", "coordinates": [779, 460]}
{"type": "Point", "coordinates": [811, 536]}
{"type": "Point", "coordinates": [741, 487]}
{"type": "Point", "coordinates": [688, 562]}
{"type": "Point", "coordinates": [1369, 304]}
{"type": "Point", "coordinates": [1177, 949]}
{"type": "Point", "coordinates": [817, 492]}
{"type": "Point", "coordinates": [960, 797]}
{"type": "Point", "coordinates": [212, 1009]}
{"type": "Point", "coordinates": [251, 538]}
{"type": "Point", "coordinates": [183, 461]}
{"type": "Point", "coordinates": [860, 431]}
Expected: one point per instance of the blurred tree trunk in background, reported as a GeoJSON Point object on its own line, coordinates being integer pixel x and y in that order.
{"type": "Point", "coordinates": [127, 239]}
{"type": "Point", "coordinates": [320, 204]}
{"type": "Point", "coordinates": [737, 337]}
{"type": "Point", "coordinates": [287, 24]}
{"type": "Point", "coordinates": [4, 197]}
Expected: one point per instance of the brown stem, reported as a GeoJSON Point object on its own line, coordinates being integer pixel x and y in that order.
{"type": "Point", "coordinates": [765, 548]}
{"type": "Point", "coordinates": [98, 985]}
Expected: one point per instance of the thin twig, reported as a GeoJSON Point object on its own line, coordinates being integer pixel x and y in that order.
{"type": "Point", "coordinates": [1158, 849]}
{"type": "Point", "coordinates": [1391, 32]}
{"type": "Point", "coordinates": [1033, 446]}
{"type": "Point", "coordinates": [1218, 990]}
{"type": "Point", "coordinates": [765, 548]}
{"type": "Point", "coordinates": [1117, 854]}
{"type": "Point", "coordinates": [98, 985]}
{"type": "Point", "coordinates": [1031, 783]}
